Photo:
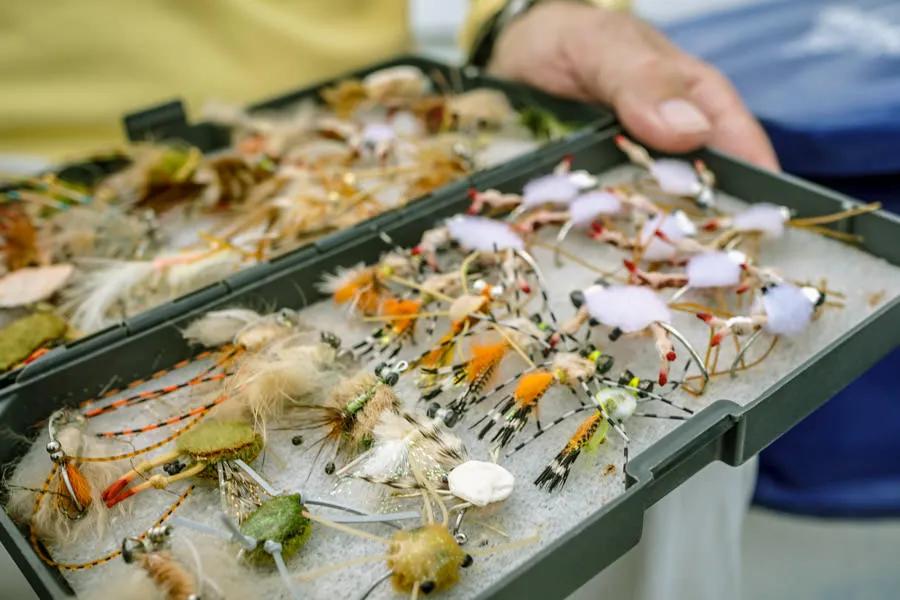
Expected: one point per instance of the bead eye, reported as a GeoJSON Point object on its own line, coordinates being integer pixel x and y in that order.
{"type": "Point", "coordinates": [497, 291]}
{"type": "Point", "coordinates": [626, 377]}
{"type": "Point", "coordinates": [479, 286]}
{"type": "Point", "coordinates": [427, 586]}
{"type": "Point", "coordinates": [451, 418]}
{"type": "Point", "coordinates": [286, 317]}
{"type": "Point", "coordinates": [577, 298]}
{"type": "Point", "coordinates": [604, 363]}
{"type": "Point", "coordinates": [467, 561]}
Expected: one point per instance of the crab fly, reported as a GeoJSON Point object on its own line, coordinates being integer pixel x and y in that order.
{"type": "Point", "coordinates": [207, 451]}
{"type": "Point", "coordinates": [421, 560]}
{"type": "Point", "coordinates": [568, 369]}
{"type": "Point", "coordinates": [781, 309]}
{"type": "Point", "coordinates": [661, 237]}
{"type": "Point", "coordinates": [630, 310]}
{"type": "Point", "coordinates": [672, 176]}
{"type": "Point", "coordinates": [280, 527]}
{"type": "Point", "coordinates": [769, 221]}
{"type": "Point", "coordinates": [555, 190]}
{"type": "Point", "coordinates": [615, 402]}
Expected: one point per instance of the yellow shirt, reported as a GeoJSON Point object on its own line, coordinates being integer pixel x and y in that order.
{"type": "Point", "coordinates": [70, 69]}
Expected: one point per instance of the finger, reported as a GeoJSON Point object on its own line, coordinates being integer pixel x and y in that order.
{"type": "Point", "coordinates": [735, 130]}
{"type": "Point", "coordinates": [653, 104]}
{"type": "Point", "coordinates": [645, 85]}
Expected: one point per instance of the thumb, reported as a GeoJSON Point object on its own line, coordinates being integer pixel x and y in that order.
{"type": "Point", "coordinates": [620, 61]}
{"type": "Point", "coordinates": [652, 101]}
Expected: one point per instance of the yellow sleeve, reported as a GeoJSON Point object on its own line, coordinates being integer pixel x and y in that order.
{"type": "Point", "coordinates": [482, 10]}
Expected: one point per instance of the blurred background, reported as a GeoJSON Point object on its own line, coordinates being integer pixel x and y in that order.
{"type": "Point", "coordinates": [826, 521]}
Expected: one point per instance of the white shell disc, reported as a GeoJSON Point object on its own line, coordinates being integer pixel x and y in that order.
{"type": "Point", "coordinates": [713, 269]}
{"type": "Point", "coordinates": [480, 233]}
{"type": "Point", "coordinates": [587, 207]}
{"type": "Point", "coordinates": [481, 483]}
{"type": "Point", "coordinates": [32, 284]}
{"type": "Point", "coordinates": [629, 307]}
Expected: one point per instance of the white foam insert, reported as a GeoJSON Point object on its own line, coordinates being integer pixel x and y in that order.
{"type": "Point", "coordinates": [529, 511]}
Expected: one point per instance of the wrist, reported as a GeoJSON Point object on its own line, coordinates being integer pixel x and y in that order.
{"type": "Point", "coordinates": [486, 40]}
{"type": "Point", "coordinates": [539, 33]}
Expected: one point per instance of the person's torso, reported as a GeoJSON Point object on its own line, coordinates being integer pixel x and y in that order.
{"type": "Point", "coordinates": [70, 69]}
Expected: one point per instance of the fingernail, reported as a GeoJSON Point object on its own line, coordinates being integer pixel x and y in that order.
{"type": "Point", "coordinates": [683, 116]}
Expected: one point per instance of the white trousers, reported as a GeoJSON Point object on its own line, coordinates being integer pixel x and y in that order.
{"type": "Point", "coordinates": [691, 543]}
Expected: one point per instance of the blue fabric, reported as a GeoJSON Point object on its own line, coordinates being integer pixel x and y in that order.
{"type": "Point", "coordinates": [844, 459]}
{"type": "Point", "coordinates": [823, 77]}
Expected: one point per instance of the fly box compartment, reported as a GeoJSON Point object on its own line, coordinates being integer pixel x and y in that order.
{"type": "Point", "coordinates": [569, 535]}
{"type": "Point", "coordinates": [169, 123]}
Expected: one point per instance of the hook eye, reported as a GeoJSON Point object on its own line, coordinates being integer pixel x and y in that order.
{"type": "Point", "coordinates": [132, 547]}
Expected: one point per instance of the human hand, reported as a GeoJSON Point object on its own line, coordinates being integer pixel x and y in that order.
{"type": "Point", "coordinates": [665, 98]}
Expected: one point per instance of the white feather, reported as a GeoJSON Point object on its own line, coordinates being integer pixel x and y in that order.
{"type": "Point", "coordinates": [788, 310]}
{"type": "Point", "coordinates": [480, 233]}
{"type": "Point", "coordinates": [629, 307]}
{"type": "Point", "coordinates": [713, 269]}
{"type": "Point", "coordinates": [549, 189]}
{"type": "Point", "coordinates": [768, 219]}
{"type": "Point", "coordinates": [219, 326]}
{"type": "Point", "coordinates": [388, 459]}
{"type": "Point", "coordinates": [184, 277]}
{"type": "Point", "coordinates": [106, 285]}
{"type": "Point", "coordinates": [676, 177]}
{"type": "Point", "coordinates": [587, 207]}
